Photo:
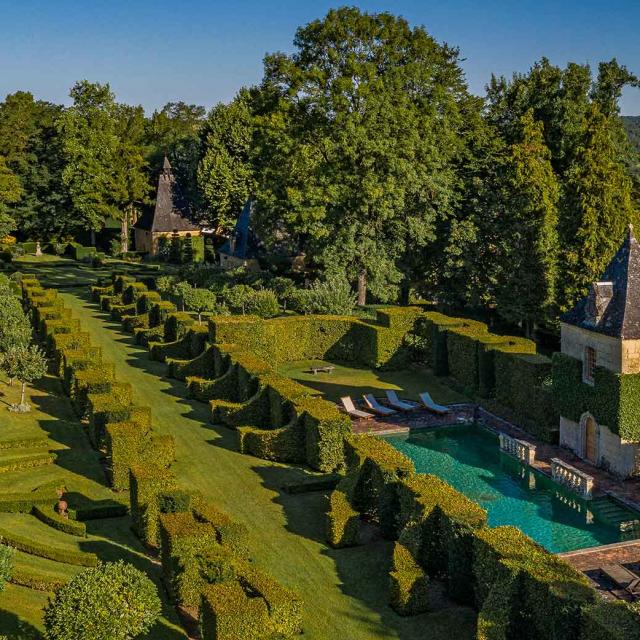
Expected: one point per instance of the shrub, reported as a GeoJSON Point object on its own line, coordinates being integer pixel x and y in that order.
{"type": "Point", "coordinates": [114, 600]}
{"type": "Point", "coordinates": [6, 565]}
{"type": "Point", "coordinates": [263, 303]}
{"type": "Point", "coordinates": [334, 296]}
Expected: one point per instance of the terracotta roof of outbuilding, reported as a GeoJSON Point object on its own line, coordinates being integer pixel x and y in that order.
{"type": "Point", "coordinates": [612, 306]}
{"type": "Point", "coordinates": [171, 209]}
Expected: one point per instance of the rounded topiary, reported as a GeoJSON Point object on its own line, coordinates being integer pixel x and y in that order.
{"type": "Point", "coordinates": [113, 600]}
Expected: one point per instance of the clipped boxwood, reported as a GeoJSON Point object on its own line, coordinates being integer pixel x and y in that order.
{"type": "Point", "coordinates": [50, 517]}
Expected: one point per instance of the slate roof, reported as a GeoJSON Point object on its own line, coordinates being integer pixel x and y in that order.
{"type": "Point", "coordinates": [612, 306]}
{"type": "Point", "coordinates": [242, 242]}
{"type": "Point", "coordinates": [171, 210]}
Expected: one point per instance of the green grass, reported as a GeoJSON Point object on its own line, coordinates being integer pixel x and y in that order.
{"type": "Point", "coordinates": [345, 591]}
{"type": "Point", "coordinates": [55, 271]}
{"type": "Point", "coordinates": [352, 381]}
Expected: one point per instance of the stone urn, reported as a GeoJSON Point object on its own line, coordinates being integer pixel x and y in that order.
{"type": "Point", "coordinates": [61, 508]}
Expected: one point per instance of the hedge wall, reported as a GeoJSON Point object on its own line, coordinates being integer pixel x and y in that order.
{"type": "Point", "coordinates": [95, 393]}
{"type": "Point", "coordinates": [523, 384]}
{"type": "Point", "coordinates": [336, 338]}
{"type": "Point", "coordinates": [614, 399]}
{"type": "Point", "coordinates": [546, 596]}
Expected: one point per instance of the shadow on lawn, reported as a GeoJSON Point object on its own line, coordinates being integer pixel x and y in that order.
{"type": "Point", "coordinates": [363, 570]}
{"type": "Point", "coordinates": [13, 627]}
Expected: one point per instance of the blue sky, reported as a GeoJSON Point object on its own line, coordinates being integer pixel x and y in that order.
{"type": "Point", "coordinates": [202, 51]}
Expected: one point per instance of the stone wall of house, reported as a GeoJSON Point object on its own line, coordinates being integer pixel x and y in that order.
{"type": "Point", "coordinates": [570, 437]}
{"type": "Point", "coordinates": [574, 340]}
{"type": "Point", "coordinates": [619, 356]}
{"type": "Point", "coordinates": [619, 457]}
{"type": "Point", "coordinates": [615, 455]}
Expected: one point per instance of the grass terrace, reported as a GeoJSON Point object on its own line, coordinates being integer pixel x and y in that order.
{"type": "Point", "coordinates": [355, 381]}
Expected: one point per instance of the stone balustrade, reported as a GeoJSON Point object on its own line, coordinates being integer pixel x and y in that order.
{"type": "Point", "coordinates": [519, 449]}
{"type": "Point", "coordinates": [571, 478]}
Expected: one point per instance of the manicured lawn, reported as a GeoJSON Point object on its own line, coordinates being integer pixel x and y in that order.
{"type": "Point", "coordinates": [352, 381]}
{"type": "Point", "coordinates": [78, 468]}
{"type": "Point", "coordinates": [54, 271]}
{"type": "Point", "coordinates": [345, 591]}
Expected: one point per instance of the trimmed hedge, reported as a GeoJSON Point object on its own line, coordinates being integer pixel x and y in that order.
{"type": "Point", "coordinates": [378, 345]}
{"type": "Point", "coordinates": [182, 540]}
{"type": "Point", "coordinates": [50, 517]}
{"type": "Point", "coordinates": [546, 596]}
{"type": "Point", "coordinates": [523, 384]}
{"type": "Point", "coordinates": [25, 502]}
{"type": "Point", "coordinates": [145, 483]}
{"type": "Point", "coordinates": [29, 461]}
{"type": "Point", "coordinates": [610, 621]}
{"type": "Point", "coordinates": [58, 554]}
{"type": "Point", "coordinates": [408, 583]}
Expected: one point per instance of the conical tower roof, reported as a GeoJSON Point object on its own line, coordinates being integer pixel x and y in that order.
{"type": "Point", "coordinates": [612, 306]}
{"type": "Point", "coordinates": [171, 209]}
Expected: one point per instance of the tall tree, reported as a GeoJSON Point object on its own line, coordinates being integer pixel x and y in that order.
{"type": "Point", "coordinates": [598, 206]}
{"type": "Point", "coordinates": [10, 193]}
{"type": "Point", "coordinates": [31, 146]}
{"type": "Point", "coordinates": [225, 173]}
{"type": "Point", "coordinates": [527, 292]}
{"type": "Point", "coordinates": [105, 159]}
{"type": "Point", "coordinates": [359, 134]}
{"type": "Point", "coordinates": [174, 131]}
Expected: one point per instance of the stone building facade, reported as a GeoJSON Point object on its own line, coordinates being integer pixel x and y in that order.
{"type": "Point", "coordinates": [602, 333]}
{"type": "Point", "coordinates": [168, 218]}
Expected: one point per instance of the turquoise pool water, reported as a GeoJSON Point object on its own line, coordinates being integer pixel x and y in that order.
{"type": "Point", "coordinates": [469, 459]}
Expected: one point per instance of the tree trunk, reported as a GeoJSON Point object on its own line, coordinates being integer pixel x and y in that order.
{"type": "Point", "coordinates": [362, 288]}
{"type": "Point", "coordinates": [405, 290]}
{"type": "Point", "coordinates": [93, 238]}
{"type": "Point", "coordinates": [23, 393]}
{"type": "Point", "coordinates": [199, 318]}
{"type": "Point", "coordinates": [124, 232]}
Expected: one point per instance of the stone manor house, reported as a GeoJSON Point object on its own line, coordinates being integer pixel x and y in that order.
{"type": "Point", "coordinates": [600, 411]}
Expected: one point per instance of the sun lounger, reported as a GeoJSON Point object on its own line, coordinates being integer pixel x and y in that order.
{"type": "Point", "coordinates": [375, 406]}
{"type": "Point", "coordinates": [428, 402]}
{"type": "Point", "coordinates": [622, 578]}
{"type": "Point", "coordinates": [396, 403]}
{"type": "Point", "coordinates": [350, 408]}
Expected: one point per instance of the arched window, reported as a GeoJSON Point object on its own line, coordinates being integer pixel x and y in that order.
{"type": "Point", "coordinates": [589, 365]}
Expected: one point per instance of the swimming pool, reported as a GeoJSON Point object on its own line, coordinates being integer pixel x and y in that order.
{"type": "Point", "coordinates": [469, 459]}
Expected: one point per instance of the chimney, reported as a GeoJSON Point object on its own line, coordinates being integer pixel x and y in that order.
{"type": "Point", "coordinates": [600, 295]}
